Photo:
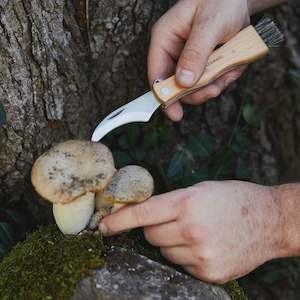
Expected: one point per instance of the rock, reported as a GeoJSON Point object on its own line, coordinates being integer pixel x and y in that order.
{"type": "Point", "coordinates": [128, 275]}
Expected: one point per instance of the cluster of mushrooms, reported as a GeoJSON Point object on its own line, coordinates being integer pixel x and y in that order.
{"type": "Point", "coordinates": [80, 179]}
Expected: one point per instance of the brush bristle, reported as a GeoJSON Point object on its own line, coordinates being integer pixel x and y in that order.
{"type": "Point", "coordinates": [269, 32]}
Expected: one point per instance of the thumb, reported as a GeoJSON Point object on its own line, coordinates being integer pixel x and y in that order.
{"type": "Point", "coordinates": [194, 56]}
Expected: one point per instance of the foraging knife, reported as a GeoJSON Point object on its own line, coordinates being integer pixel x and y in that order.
{"type": "Point", "coordinates": [249, 45]}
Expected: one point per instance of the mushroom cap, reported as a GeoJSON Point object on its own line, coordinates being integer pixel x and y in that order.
{"type": "Point", "coordinates": [71, 218]}
{"type": "Point", "coordinates": [71, 169]}
{"type": "Point", "coordinates": [131, 184]}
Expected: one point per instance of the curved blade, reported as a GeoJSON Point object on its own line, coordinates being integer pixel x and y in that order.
{"type": "Point", "coordinates": [138, 110]}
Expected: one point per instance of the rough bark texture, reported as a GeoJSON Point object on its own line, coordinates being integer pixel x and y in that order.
{"type": "Point", "coordinates": [63, 66]}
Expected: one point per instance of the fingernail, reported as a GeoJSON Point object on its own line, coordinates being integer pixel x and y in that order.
{"type": "Point", "coordinates": [103, 228]}
{"type": "Point", "coordinates": [185, 77]}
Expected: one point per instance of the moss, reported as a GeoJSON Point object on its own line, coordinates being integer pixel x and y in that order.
{"type": "Point", "coordinates": [235, 291]}
{"type": "Point", "coordinates": [48, 265]}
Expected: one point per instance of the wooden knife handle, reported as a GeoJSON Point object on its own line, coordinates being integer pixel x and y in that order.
{"type": "Point", "coordinates": [246, 47]}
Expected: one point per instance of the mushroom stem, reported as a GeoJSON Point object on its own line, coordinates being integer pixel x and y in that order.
{"type": "Point", "coordinates": [71, 218]}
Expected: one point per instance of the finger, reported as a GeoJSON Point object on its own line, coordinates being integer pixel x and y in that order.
{"type": "Point", "coordinates": [161, 63]}
{"type": "Point", "coordinates": [194, 56]}
{"type": "Point", "coordinates": [214, 89]}
{"type": "Point", "coordinates": [167, 42]}
{"type": "Point", "coordinates": [208, 92]}
{"type": "Point", "coordinates": [174, 111]}
{"type": "Point", "coordinates": [156, 210]}
{"type": "Point", "coordinates": [164, 235]}
{"type": "Point", "coordinates": [180, 255]}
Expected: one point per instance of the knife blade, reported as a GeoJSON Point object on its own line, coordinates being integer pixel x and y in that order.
{"type": "Point", "coordinates": [245, 47]}
{"type": "Point", "coordinates": [138, 110]}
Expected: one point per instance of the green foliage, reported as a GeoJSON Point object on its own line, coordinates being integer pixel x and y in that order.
{"type": "Point", "coordinates": [294, 74]}
{"type": "Point", "coordinates": [12, 229]}
{"type": "Point", "coordinates": [2, 115]}
{"type": "Point", "coordinates": [199, 158]}
{"type": "Point", "coordinates": [249, 113]}
{"type": "Point", "coordinates": [177, 164]}
{"type": "Point", "coordinates": [48, 265]}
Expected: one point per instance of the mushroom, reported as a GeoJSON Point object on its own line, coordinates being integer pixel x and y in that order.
{"type": "Point", "coordinates": [73, 217]}
{"type": "Point", "coordinates": [69, 175]}
{"type": "Point", "coordinates": [130, 185]}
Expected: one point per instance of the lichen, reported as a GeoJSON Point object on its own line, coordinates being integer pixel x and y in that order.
{"type": "Point", "coordinates": [48, 265]}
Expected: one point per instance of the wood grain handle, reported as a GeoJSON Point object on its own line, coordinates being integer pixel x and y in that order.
{"type": "Point", "coordinates": [246, 47]}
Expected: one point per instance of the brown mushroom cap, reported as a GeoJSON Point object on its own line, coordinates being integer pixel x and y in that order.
{"type": "Point", "coordinates": [131, 184]}
{"type": "Point", "coordinates": [72, 169]}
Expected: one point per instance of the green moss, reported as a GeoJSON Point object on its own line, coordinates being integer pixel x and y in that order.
{"type": "Point", "coordinates": [48, 265]}
{"type": "Point", "coordinates": [235, 291]}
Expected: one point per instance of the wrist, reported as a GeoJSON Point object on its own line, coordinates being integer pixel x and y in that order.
{"type": "Point", "coordinates": [287, 199]}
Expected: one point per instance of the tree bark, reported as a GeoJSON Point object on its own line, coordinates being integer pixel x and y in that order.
{"type": "Point", "coordinates": [63, 66]}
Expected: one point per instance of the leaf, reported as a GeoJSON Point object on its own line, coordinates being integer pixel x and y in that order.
{"type": "Point", "coordinates": [133, 133]}
{"type": "Point", "coordinates": [138, 154]}
{"type": "Point", "coordinates": [223, 164]}
{"type": "Point", "coordinates": [123, 141]}
{"type": "Point", "coordinates": [2, 115]}
{"type": "Point", "coordinates": [249, 113]}
{"type": "Point", "coordinates": [3, 251]}
{"type": "Point", "coordinates": [7, 234]}
{"type": "Point", "coordinates": [272, 276]}
{"type": "Point", "coordinates": [201, 175]}
{"type": "Point", "coordinates": [177, 163]}
{"type": "Point", "coordinates": [150, 139]}
{"type": "Point", "coordinates": [241, 143]}
{"type": "Point", "coordinates": [242, 171]}
{"type": "Point", "coordinates": [121, 159]}
{"type": "Point", "coordinates": [294, 73]}
{"type": "Point", "coordinates": [15, 219]}
{"type": "Point", "coordinates": [202, 146]}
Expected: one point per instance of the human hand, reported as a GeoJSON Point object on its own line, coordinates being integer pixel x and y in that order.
{"type": "Point", "coordinates": [217, 231]}
{"type": "Point", "coordinates": [187, 34]}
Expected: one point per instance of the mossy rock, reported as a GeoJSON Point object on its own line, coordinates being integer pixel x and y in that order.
{"type": "Point", "coordinates": [49, 265]}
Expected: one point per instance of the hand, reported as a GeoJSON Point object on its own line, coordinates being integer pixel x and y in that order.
{"type": "Point", "coordinates": [186, 35]}
{"type": "Point", "coordinates": [217, 231]}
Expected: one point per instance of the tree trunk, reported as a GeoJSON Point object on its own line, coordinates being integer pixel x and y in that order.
{"type": "Point", "coordinates": [63, 66]}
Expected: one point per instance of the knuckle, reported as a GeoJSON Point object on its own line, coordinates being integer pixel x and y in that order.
{"type": "Point", "coordinates": [182, 204]}
{"type": "Point", "coordinates": [192, 233]}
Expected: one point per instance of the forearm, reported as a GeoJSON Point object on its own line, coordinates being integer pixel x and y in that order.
{"type": "Point", "coordinates": [288, 196]}
{"type": "Point", "coordinates": [256, 6]}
